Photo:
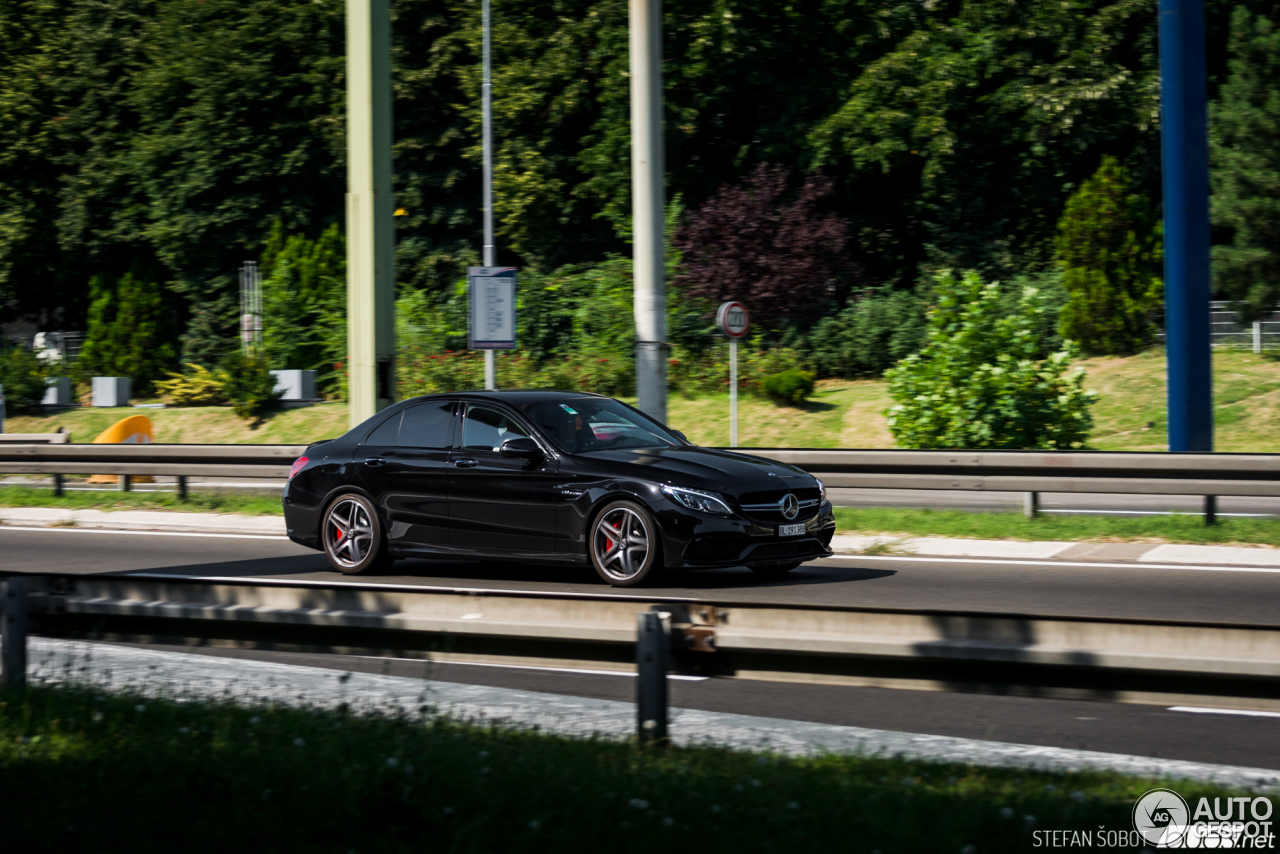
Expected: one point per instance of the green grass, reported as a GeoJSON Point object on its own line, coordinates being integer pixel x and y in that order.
{"type": "Point", "coordinates": [93, 772]}
{"type": "Point", "coordinates": [1014, 526]}
{"type": "Point", "coordinates": [223, 501]}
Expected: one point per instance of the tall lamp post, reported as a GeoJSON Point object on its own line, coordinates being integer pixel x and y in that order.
{"type": "Point", "coordinates": [1184, 145]}
{"type": "Point", "coordinates": [486, 103]}
{"type": "Point", "coordinates": [647, 204]}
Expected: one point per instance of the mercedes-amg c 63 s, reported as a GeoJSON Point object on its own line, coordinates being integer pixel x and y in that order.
{"type": "Point", "coordinates": [549, 477]}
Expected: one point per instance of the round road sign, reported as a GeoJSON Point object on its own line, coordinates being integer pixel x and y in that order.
{"type": "Point", "coordinates": [733, 319]}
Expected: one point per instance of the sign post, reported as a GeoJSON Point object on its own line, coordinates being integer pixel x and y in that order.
{"type": "Point", "coordinates": [734, 321]}
{"type": "Point", "coordinates": [493, 308]}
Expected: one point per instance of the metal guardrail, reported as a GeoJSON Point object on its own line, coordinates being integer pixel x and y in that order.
{"type": "Point", "coordinates": [60, 438]}
{"type": "Point", "coordinates": [1028, 472]}
{"type": "Point", "coordinates": [1037, 654]}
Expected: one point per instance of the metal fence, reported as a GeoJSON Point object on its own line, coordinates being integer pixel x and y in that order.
{"type": "Point", "coordinates": [1228, 332]}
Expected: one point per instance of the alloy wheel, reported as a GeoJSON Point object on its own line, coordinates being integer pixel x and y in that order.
{"type": "Point", "coordinates": [620, 543]}
{"type": "Point", "coordinates": [348, 532]}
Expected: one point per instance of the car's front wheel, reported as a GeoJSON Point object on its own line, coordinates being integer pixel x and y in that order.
{"type": "Point", "coordinates": [625, 549]}
{"type": "Point", "coordinates": [354, 540]}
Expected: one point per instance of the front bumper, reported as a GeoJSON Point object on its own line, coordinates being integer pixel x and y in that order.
{"type": "Point", "coordinates": [701, 541]}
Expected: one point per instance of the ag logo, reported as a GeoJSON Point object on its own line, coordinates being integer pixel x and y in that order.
{"type": "Point", "coordinates": [1161, 816]}
{"type": "Point", "coordinates": [790, 505]}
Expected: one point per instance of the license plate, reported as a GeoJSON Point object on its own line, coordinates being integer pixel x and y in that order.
{"type": "Point", "coordinates": [790, 530]}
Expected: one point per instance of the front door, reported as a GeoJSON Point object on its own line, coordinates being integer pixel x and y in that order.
{"type": "Point", "coordinates": [404, 466]}
{"type": "Point", "coordinates": [497, 503]}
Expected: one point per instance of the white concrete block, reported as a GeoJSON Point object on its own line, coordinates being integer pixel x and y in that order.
{"type": "Point", "coordinates": [57, 391]}
{"type": "Point", "coordinates": [111, 391]}
{"type": "Point", "coordinates": [296, 384]}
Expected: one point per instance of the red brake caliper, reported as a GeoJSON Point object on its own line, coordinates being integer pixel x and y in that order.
{"type": "Point", "coordinates": [617, 527]}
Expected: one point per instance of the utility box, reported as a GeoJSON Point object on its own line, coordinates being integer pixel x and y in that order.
{"type": "Point", "coordinates": [296, 385]}
{"type": "Point", "coordinates": [111, 391]}
{"type": "Point", "coordinates": [57, 391]}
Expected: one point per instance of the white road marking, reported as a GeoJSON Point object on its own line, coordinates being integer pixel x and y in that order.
{"type": "Point", "coordinates": [579, 670]}
{"type": "Point", "coordinates": [1205, 711]}
{"type": "Point", "coordinates": [1050, 562]}
{"type": "Point", "coordinates": [145, 533]}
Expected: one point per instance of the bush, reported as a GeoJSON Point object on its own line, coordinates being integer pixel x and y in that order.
{"type": "Point", "coordinates": [1109, 246]}
{"type": "Point", "coordinates": [792, 387]}
{"type": "Point", "coordinates": [129, 332]}
{"type": "Point", "coordinates": [979, 381]}
{"type": "Point", "coordinates": [249, 384]}
{"type": "Point", "coordinates": [868, 336]}
{"type": "Point", "coordinates": [22, 375]}
{"type": "Point", "coordinates": [198, 387]}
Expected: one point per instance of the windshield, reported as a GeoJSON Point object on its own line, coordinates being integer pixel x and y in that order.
{"type": "Point", "coordinates": [585, 424]}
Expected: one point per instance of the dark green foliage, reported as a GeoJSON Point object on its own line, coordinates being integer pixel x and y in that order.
{"type": "Point", "coordinates": [788, 387]}
{"type": "Point", "coordinates": [22, 376]}
{"type": "Point", "coordinates": [304, 302]}
{"type": "Point", "coordinates": [980, 380]}
{"type": "Point", "coordinates": [1245, 148]}
{"type": "Point", "coordinates": [1109, 247]}
{"type": "Point", "coordinates": [129, 333]}
{"type": "Point", "coordinates": [868, 336]}
{"type": "Point", "coordinates": [249, 384]}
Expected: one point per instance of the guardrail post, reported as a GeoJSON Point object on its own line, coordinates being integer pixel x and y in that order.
{"type": "Point", "coordinates": [13, 633]}
{"type": "Point", "coordinates": [1211, 509]}
{"type": "Point", "coordinates": [182, 487]}
{"type": "Point", "coordinates": [126, 483]}
{"type": "Point", "coordinates": [653, 643]}
{"type": "Point", "coordinates": [57, 485]}
{"type": "Point", "coordinates": [1031, 504]}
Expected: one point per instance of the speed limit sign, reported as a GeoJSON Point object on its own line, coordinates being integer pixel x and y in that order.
{"type": "Point", "coordinates": [733, 319]}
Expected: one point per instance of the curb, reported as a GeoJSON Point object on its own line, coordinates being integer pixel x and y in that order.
{"type": "Point", "coordinates": [143, 520]}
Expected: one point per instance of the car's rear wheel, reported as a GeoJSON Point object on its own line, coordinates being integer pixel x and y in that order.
{"type": "Point", "coordinates": [777, 570]}
{"type": "Point", "coordinates": [625, 548]}
{"type": "Point", "coordinates": [354, 540]}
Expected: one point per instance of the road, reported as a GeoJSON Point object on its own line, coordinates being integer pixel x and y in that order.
{"type": "Point", "coordinates": [1001, 586]}
{"type": "Point", "coordinates": [1025, 587]}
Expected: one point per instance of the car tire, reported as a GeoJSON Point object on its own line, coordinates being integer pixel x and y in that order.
{"type": "Point", "coordinates": [624, 545]}
{"type": "Point", "coordinates": [775, 571]}
{"type": "Point", "coordinates": [354, 539]}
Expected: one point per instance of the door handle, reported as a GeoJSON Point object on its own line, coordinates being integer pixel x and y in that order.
{"type": "Point", "coordinates": [466, 463]}
{"type": "Point", "coordinates": [375, 461]}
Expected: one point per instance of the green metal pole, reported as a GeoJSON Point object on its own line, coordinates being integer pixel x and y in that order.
{"type": "Point", "coordinates": [371, 290]}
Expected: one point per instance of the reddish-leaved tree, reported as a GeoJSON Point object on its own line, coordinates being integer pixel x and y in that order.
{"type": "Point", "coordinates": [784, 258]}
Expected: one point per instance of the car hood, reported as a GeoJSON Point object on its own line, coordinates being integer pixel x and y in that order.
{"type": "Point", "coordinates": [698, 468]}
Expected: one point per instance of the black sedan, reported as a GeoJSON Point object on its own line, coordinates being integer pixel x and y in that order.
{"type": "Point", "coordinates": [549, 477]}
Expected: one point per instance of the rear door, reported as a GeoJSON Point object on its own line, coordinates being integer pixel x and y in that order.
{"type": "Point", "coordinates": [499, 504]}
{"type": "Point", "coordinates": [408, 474]}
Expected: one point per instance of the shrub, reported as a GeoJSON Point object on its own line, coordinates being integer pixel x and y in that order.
{"type": "Point", "coordinates": [249, 385]}
{"type": "Point", "coordinates": [979, 382]}
{"type": "Point", "coordinates": [1109, 246]}
{"type": "Point", "coordinates": [868, 336]}
{"type": "Point", "coordinates": [789, 387]}
{"type": "Point", "coordinates": [22, 375]}
{"type": "Point", "coordinates": [128, 334]}
{"type": "Point", "coordinates": [199, 386]}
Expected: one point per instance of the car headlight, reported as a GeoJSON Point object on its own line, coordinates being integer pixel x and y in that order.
{"type": "Point", "coordinates": [697, 499]}
{"type": "Point", "coordinates": [822, 490]}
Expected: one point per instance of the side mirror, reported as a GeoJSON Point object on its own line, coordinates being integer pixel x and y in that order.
{"type": "Point", "coordinates": [522, 448]}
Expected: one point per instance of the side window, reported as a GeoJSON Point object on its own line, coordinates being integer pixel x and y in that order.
{"type": "Point", "coordinates": [427, 426]}
{"type": "Point", "coordinates": [384, 434]}
{"type": "Point", "coordinates": [486, 429]}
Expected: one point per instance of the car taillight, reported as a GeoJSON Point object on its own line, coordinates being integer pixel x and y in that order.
{"type": "Point", "coordinates": [297, 466]}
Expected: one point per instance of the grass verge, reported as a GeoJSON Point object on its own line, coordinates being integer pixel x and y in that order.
{"type": "Point", "coordinates": [1014, 526]}
{"type": "Point", "coordinates": [196, 502]}
{"type": "Point", "coordinates": [88, 771]}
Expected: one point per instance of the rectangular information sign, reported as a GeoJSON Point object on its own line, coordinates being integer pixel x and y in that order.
{"type": "Point", "coordinates": [493, 308]}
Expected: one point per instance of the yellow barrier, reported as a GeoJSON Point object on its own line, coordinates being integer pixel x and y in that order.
{"type": "Point", "coordinates": [134, 430]}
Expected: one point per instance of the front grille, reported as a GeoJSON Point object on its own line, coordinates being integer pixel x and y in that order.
{"type": "Point", "coordinates": [715, 548]}
{"type": "Point", "coordinates": [773, 496]}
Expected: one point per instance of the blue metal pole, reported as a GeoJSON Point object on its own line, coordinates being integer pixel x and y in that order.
{"type": "Point", "coordinates": [1185, 144]}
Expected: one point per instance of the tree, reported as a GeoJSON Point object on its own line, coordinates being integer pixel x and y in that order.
{"type": "Point", "coordinates": [129, 332]}
{"type": "Point", "coordinates": [1245, 148]}
{"type": "Point", "coordinates": [784, 259]}
{"type": "Point", "coordinates": [1109, 247]}
{"type": "Point", "coordinates": [979, 381]}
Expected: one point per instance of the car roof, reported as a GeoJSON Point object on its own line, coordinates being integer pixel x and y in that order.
{"type": "Point", "coordinates": [516, 397]}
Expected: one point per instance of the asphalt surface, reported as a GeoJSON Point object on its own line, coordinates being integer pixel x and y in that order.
{"type": "Point", "coordinates": [1012, 586]}
{"type": "Point", "coordinates": [1000, 586]}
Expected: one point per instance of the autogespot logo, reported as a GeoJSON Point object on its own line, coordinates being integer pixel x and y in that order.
{"type": "Point", "coordinates": [1161, 817]}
